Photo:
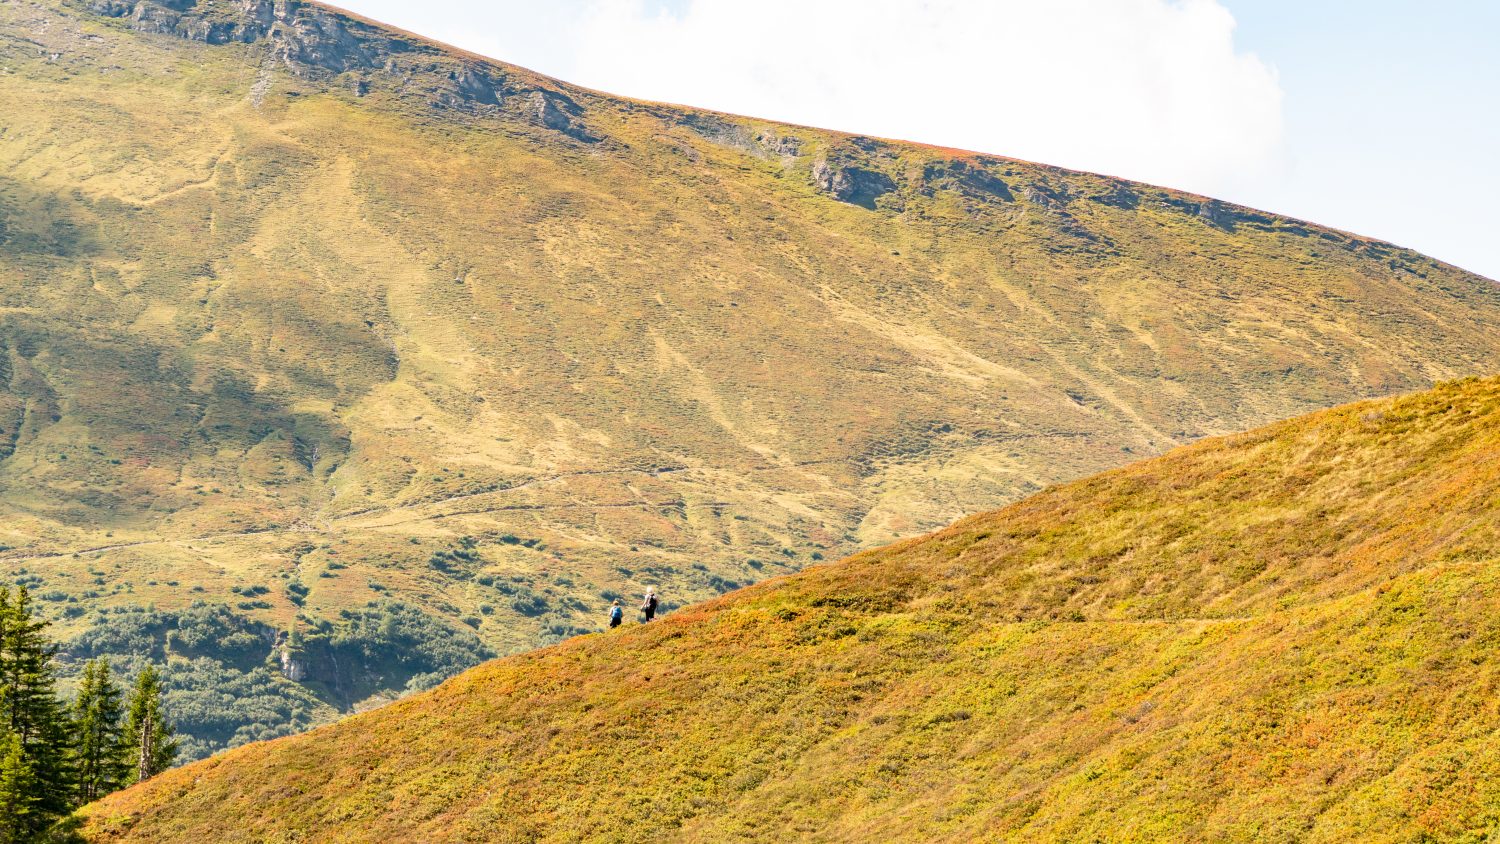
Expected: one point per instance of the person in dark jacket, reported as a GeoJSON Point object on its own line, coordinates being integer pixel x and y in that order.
{"type": "Point", "coordinates": [649, 605]}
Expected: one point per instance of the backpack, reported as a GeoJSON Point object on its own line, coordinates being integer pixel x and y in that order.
{"type": "Point", "coordinates": [616, 613]}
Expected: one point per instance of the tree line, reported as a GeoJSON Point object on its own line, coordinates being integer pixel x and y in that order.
{"type": "Point", "coordinates": [56, 755]}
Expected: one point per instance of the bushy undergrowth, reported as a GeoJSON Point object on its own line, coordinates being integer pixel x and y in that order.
{"type": "Point", "coordinates": [223, 670]}
{"type": "Point", "coordinates": [388, 644]}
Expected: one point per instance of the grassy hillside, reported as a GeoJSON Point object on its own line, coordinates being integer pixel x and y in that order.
{"type": "Point", "coordinates": [1285, 635]}
{"type": "Point", "coordinates": [298, 314]}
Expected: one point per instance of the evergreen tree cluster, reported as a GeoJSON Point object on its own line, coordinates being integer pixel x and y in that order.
{"type": "Point", "coordinates": [55, 757]}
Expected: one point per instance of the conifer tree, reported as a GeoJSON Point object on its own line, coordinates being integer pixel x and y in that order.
{"type": "Point", "coordinates": [30, 708]}
{"type": "Point", "coordinates": [19, 821]}
{"type": "Point", "coordinates": [103, 758]}
{"type": "Point", "coordinates": [147, 732]}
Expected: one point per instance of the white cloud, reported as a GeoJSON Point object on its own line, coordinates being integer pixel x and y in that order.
{"type": "Point", "coordinates": [1147, 89]}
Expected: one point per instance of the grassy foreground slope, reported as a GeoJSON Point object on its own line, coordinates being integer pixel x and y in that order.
{"type": "Point", "coordinates": [299, 313]}
{"type": "Point", "coordinates": [1286, 635]}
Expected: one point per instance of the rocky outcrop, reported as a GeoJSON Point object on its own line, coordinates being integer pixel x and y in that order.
{"type": "Point", "coordinates": [558, 112]}
{"type": "Point", "coordinates": [1119, 195]}
{"type": "Point", "coordinates": [726, 132]}
{"type": "Point", "coordinates": [292, 666]}
{"type": "Point", "coordinates": [1053, 197]}
{"type": "Point", "coordinates": [972, 179]}
{"type": "Point", "coordinates": [854, 185]}
{"type": "Point", "coordinates": [712, 127]}
{"type": "Point", "coordinates": [1227, 216]}
{"type": "Point", "coordinates": [1216, 214]}
{"type": "Point", "coordinates": [463, 88]}
{"type": "Point", "coordinates": [177, 17]}
{"type": "Point", "coordinates": [310, 37]}
{"type": "Point", "coordinates": [321, 44]}
{"type": "Point", "coordinates": [776, 143]}
{"type": "Point", "coordinates": [854, 172]}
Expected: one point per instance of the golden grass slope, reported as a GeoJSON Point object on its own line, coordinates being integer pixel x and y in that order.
{"type": "Point", "coordinates": [310, 303]}
{"type": "Point", "coordinates": [1284, 635]}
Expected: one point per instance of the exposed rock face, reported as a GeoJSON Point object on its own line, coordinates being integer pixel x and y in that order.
{"type": "Point", "coordinates": [558, 112]}
{"type": "Point", "coordinates": [169, 18]}
{"type": "Point", "coordinates": [1226, 216]}
{"type": "Point", "coordinates": [462, 88]}
{"type": "Point", "coordinates": [970, 179]}
{"type": "Point", "coordinates": [292, 668]}
{"type": "Point", "coordinates": [854, 185]}
{"type": "Point", "coordinates": [1120, 196]}
{"type": "Point", "coordinates": [858, 171]}
{"type": "Point", "coordinates": [1048, 195]}
{"type": "Point", "coordinates": [311, 37]}
{"type": "Point", "coordinates": [761, 144]}
{"type": "Point", "coordinates": [783, 145]}
{"type": "Point", "coordinates": [1216, 214]}
{"type": "Point", "coordinates": [314, 41]}
{"type": "Point", "coordinates": [475, 85]}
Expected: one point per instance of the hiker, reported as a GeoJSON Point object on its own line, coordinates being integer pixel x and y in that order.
{"type": "Point", "coordinates": [616, 614]}
{"type": "Point", "coordinates": [649, 605]}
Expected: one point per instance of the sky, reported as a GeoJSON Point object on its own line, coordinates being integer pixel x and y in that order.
{"type": "Point", "coordinates": [1380, 117]}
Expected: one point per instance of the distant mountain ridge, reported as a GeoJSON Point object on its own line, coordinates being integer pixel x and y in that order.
{"type": "Point", "coordinates": [322, 324]}
{"type": "Point", "coordinates": [1281, 635]}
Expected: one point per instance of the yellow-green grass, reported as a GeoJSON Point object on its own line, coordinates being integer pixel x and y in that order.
{"type": "Point", "coordinates": [251, 322]}
{"type": "Point", "coordinates": [1284, 635]}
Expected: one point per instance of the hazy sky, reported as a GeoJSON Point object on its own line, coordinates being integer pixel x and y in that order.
{"type": "Point", "coordinates": [1376, 116]}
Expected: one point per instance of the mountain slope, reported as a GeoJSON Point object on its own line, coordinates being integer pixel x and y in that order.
{"type": "Point", "coordinates": [1281, 635]}
{"type": "Point", "coordinates": [299, 313]}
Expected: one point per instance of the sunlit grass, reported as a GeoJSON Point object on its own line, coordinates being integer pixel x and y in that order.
{"type": "Point", "coordinates": [1281, 635]}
